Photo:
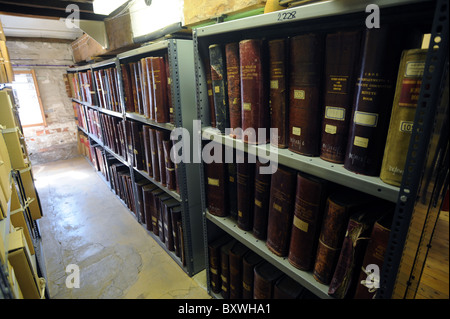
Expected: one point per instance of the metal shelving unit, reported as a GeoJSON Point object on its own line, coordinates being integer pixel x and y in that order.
{"type": "Point", "coordinates": [319, 17]}
{"type": "Point", "coordinates": [181, 56]}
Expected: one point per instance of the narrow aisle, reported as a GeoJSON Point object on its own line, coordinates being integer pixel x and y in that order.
{"type": "Point", "coordinates": [86, 225]}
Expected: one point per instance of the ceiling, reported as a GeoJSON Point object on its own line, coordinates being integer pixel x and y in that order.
{"type": "Point", "coordinates": [43, 18]}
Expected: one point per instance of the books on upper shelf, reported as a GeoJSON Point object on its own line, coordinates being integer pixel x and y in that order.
{"type": "Point", "coordinates": [82, 86]}
{"type": "Point", "coordinates": [107, 87]}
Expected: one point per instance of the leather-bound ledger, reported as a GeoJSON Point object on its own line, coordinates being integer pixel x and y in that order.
{"type": "Point", "coordinates": [169, 165]}
{"type": "Point", "coordinates": [161, 199]}
{"type": "Point", "coordinates": [282, 196]}
{"type": "Point", "coordinates": [254, 97]}
{"type": "Point", "coordinates": [160, 137]}
{"type": "Point", "coordinates": [214, 262]}
{"type": "Point", "coordinates": [160, 90]}
{"type": "Point", "coordinates": [137, 86]}
{"type": "Point", "coordinates": [139, 158]}
{"type": "Point", "coordinates": [233, 86]}
{"type": "Point", "coordinates": [176, 220]}
{"type": "Point", "coordinates": [341, 56]}
{"type": "Point", "coordinates": [287, 288]}
{"type": "Point", "coordinates": [155, 156]}
{"type": "Point", "coordinates": [372, 106]}
{"type": "Point", "coordinates": [155, 211]}
{"type": "Point", "coordinates": [266, 276]}
{"type": "Point", "coordinates": [261, 204]}
{"type": "Point", "coordinates": [232, 190]}
{"type": "Point", "coordinates": [127, 88]}
{"type": "Point", "coordinates": [236, 256]}
{"type": "Point", "coordinates": [147, 198]}
{"type": "Point", "coordinates": [145, 87]}
{"type": "Point", "coordinates": [279, 106]}
{"type": "Point", "coordinates": [305, 83]}
{"type": "Point", "coordinates": [132, 67]}
{"type": "Point", "coordinates": [225, 268]}
{"type": "Point", "coordinates": [249, 263]}
{"type": "Point", "coordinates": [167, 218]}
{"type": "Point", "coordinates": [374, 258]}
{"type": "Point", "coordinates": [219, 87]}
{"type": "Point", "coordinates": [359, 228]}
{"type": "Point", "coordinates": [212, 111]}
{"type": "Point", "coordinates": [406, 96]}
{"type": "Point", "coordinates": [216, 188]}
{"type": "Point", "coordinates": [245, 173]}
{"type": "Point", "coordinates": [139, 187]}
{"type": "Point", "coordinates": [339, 206]}
{"type": "Point", "coordinates": [147, 150]}
{"type": "Point", "coordinates": [310, 200]}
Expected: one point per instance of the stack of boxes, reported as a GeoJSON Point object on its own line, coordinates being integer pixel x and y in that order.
{"type": "Point", "coordinates": [19, 204]}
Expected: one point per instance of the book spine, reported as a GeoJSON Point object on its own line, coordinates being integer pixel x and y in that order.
{"type": "Point", "coordinates": [147, 150]}
{"type": "Point", "coordinates": [137, 84]}
{"type": "Point", "coordinates": [160, 137]}
{"type": "Point", "coordinates": [342, 52]}
{"type": "Point", "coordinates": [404, 107]}
{"type": "Point", "coordinates": [261, 205]}
{"type": "Point", "coordinates": [170, 167]}
{"type": "Point", "coordinates": [245, 192]}
{"type": "Point", "coordinates": [215, 174]}
{"type": "Point", "coordinates": [132, 67]}
{"type": "Point", "coordinates": [214, 268]}
{"type": "Point", "coordinates": [233, 86]}
{"type": "Point", "coordinates": [308, 211]}
{"type": "Point", "coordinates": [278, 92]}
{"type": "Point", "coordinates": [160, 90]}
{"type": "Point", "coordinates": [218, 78]}
{"type": "Point", "coordinates": [330, 240]}
{"type": "Point", "coordinates": [306, 58]}
{"type": "Point", "coordinates": [282, 190]}
{"type": "Point", "coordinates": [127, 89]}
{"type": "Point", "coordinates": [155, 156]}
{"type": "Point", "coordinates": [254, 100]}
{"type": "Point", "coordinates": [209, 87]}
{"type": "Point", "coordinates": [372, 106]}
{"type": "Point", "coordinates": [176, 219]}
{"type": "Point", "coordinates": [148, 202]}
{"type": "Point", "coordinates": [232, 189]}
{"type": "Point", "coordinates": [144, 87]}
{"type": "Point", "coordinates": [137, 151]}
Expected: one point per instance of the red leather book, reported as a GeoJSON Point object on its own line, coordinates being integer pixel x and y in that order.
{"type": "Point", "coordinates": [262, 201]}
{"type": "Point", "coordinates": [155, 156]}
{"type": "Point", "coordinates": [282, 196]}
{"type": "Point", "coordinates": [214, 262]}
{"type": "Point", "coordinates": [342, 53]}
{"type": "Point", "coordinates": [340, 205]}
{"type": "Point", "coordinates": [148, 204]}
{"type": "Point", "coordinates": [137, 85]}
{"type": "Point", "coordinates": [127, 88]}
{"type": "Point", "coordinates": [254, 97]}
{"type": "Point", "coordinates": [305, 111]}
{"type": "Point", "coordinates": [216, 188]}
{"type": "Point", "coordinates": [132, 67]}
{"type": "Point", "coordinates": [233, 86]}
{"type": "Point", "coordinates": [225, 268]}
{"type": "Point", "coordinates": [161, 136]}
{"type": "Point", "coordinates": [169, 165]}
{"type": "Point", "coordinates": [279, 106]}
{"type": "Point", "coordinates": [245, 173]}
{"type": "Point", "coordinates": [343, 282]}
{"type": "Point", "coordinates": [160, 90]}
{"type": "Point", "coordinates": [309, 205]}
{"type": "Point", "coordinates": [375, 88]}
{"type": "Point", "coordinates": [374, 256]}
{"type": "Point", "coordinates": [266, 276]}
{"type": "Point", "coordinates": [236, 256]}
{"type": "Point", "coordinates": [249, 262]}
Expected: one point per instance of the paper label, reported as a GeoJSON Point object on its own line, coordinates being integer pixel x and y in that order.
{"type": "Point", "coordinates": [209, 92]}
{"type": "Point", "coordinates": [335, 113]}
{"type": "Point", "coordinates": [274, 84]}
{"type": "Point", "coordinates": [414, 68]}
{"type": "Point", "coordinates": [277, 207]}
{"type": "Point", "coordinates": [296, 131]}
{"type": "Point", "coordinates": [406, 126]}
{"type": "Point", "coordinates": [299, 94]}
{"type": "Point", "coordinates": [366, 119]}
{"type": "Point", "coordinates": [247, 106]}
{"type": "Point", "coordinates": [300, 224]}
{"type": "Point", "coordinates": [213, 181]}
{"type": "Point", "coordinates": [330, 129]}
{"type": "Point", "coordinates": [258, 203]}
{"type": "Point", "coordinates": [217, 89]}
{"type": "Point", "coordinates": [361, 141]}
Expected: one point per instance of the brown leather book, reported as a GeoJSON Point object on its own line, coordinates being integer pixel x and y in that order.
{"type": "Point", "coordinates": [147, 150]}
{"type": "Point", "coordinates": [340, 205]}
{"type": "Point", "coordinates": [170, 166]}
{"type": "Point", "coordinates": [282, 197]}
{"type": "Point", "coordinates": [137, 85]}
{"type": "Point", "coordinates": [136, 144]}
{"type": "Point", "coordinates": [265, 278]}
{"type": "Point", "coordinates": [155, 156]}
{"type": "Point", "coordinates": [305, 111]}
{"type": "Point", "coordinates": [249, 263]}
{"type": "Point", "coordinates": [245, 173]}
{"type": "Point", "coordinates": [342, 53]}
{"type": "Point", "coordinates": [127, 88]}
{"type": "Point", "coordinates": [161, 204]}
{"type": "Point", "coordinates": [160, 90]}
{"type": "Point", "coordinates": [145, 87]}
{"type": "Point", "coordinates": [216, 188]}
{"type": "Point", "coordinates": [155, 211]}
{"type": "Point", "coordinates": [147, 198]}
{"type": "Point", "coordinates": [233, 86]}
{"type": "Point", "coordinates": [140, 200]}
{"type": "Point", "coordinates": [161, 136]}
{"type": "Point", "coordinates": [176, 219]}
{"type": "Point", "coordinates": [310, 200]}
{"type": "Point", "coordinates": [262, 201]}
{"type": "Point", "coordinates": [212, 111]}
{"type": "Point", "coordinates": [287, 288]}
{"type": "Point", "coordinates": [132, 67]}
{"type": "Point", "coordinates": [375, 88]}
{"type": "Point", "coordinates": [150, 89]}
{"type": "Point", "coordinates": [225, 268]}
{"type": "Point", "coordinates": [232, 189]}
{"type": "Point", "coordinates": [278, 92]}
{"type": "Point", "coordinates": [236, 256]}
{"type": "Point", "coordinates": [254, 97]}
{"type": "Point", "coordinates": [376, 249]}
{"type": "Point", "coordinates": [343, 282]}
{"type": "Point", "coordinates": [98, 87]}
{"type": "Point", "coordinates": [214, 262]}
{"type": "Point", "coordinates": [406, 96]}
{"type": "Point", "coordinates": [167, 222]}
{"type": "Point", "coordinates": [219, 86]}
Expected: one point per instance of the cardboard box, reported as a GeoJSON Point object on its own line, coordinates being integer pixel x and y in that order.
{"type": "Point", "coordinates": [85, 48]}
{"type": "Point", "coordinates": [17, 293]}
{"type": "Point", "coordinates": [16, 152]}
{"type": "Point", "coordinates": [5, 169]}
{"type": "Point", "coordinates": [20, 258]}
{"type": "Point", "coordinates": [17, 218]}
{"type": "Point", "coordinates": [7, 118]}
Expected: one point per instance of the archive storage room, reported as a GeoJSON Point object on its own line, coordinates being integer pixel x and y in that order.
{"type": "Point", "coordinates": [235, 152]}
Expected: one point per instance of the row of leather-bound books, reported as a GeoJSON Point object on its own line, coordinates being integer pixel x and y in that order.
{"type": "Point", "coordinates": [332, 95]}
{"type": "Point", "coordinates": [146, 148]}
{"type": "Point", "coordinates": [88, 119]}
{"type": "Point", "coordinates": [81, 86]}
{"type": "Point", "coordinates": [321, 227]}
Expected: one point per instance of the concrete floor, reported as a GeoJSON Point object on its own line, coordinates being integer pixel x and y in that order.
{"type": "Point", "coordinates": [85, 224]}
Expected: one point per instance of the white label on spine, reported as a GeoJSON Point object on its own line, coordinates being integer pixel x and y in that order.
{"type": "Point", "coordinates": [335, 113]}
{"type": "Point", "coordinates": [366, 119]}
